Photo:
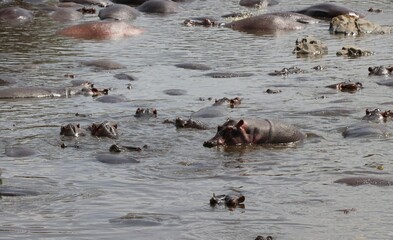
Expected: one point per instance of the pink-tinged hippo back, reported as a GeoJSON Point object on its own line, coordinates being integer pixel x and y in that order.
{"type": "Point", "coordinates": [101, 30]}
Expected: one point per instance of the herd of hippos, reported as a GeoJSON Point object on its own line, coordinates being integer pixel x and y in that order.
{"type": "Point", "coordinates": [114, 23]}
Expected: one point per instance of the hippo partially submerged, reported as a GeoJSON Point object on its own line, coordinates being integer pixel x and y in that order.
{"type": "Point", "coordinates": [357, 181]}
{"type": "Point", "coordinates": [72, 130]}
{"type": "Point", "coordinates": [272, 22]}
{"type": "Point", "coordinates": [254, 132]}
{"type": "Point", "coordinates": [100, 30]}
{"type": "Point", "coordinates": [326, 11]}
{"type": "Point", "coordinates": [41, 92]}
{"type": "Point", "coordinates": [104, 129]}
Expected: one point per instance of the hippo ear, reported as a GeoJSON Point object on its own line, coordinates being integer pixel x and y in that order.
{"type": "Point", "coordinates": [78, 126]}
{"type": "Point", "coordinates": [219, 128]}
{"type": "Point", "coordinates": [240, 123]}
{"type": "Point", "coordinates": [115, 125]}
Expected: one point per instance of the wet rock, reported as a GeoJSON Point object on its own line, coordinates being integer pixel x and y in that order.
{"type": "Point", "coordinates": [354, 25]}
{"type": "Point", "coordinates": [353, 51]}
{"type": "Point", "coordinates": [309, 45]}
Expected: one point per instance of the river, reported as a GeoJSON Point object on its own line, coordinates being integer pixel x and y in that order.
{"type": "Point", "coordinates": [289, 191]}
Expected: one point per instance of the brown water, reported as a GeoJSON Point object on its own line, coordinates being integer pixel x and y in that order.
{"type": "Point", "coordinates": [289, 192]}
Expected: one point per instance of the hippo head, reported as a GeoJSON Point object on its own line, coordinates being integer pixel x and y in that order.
{"type": "Point", "coordinates": [105, 129]}
{"type": "Point", "coordinates": [145, 112]}
{"type": "Point", "coordinates": [230, 133]}
{"type": "Point", "coordinates": [375, 115]}
{"type": "Point", "coordinates": [71, 130]}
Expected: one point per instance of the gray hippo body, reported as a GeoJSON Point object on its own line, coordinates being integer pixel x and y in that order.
{"type": "Point", "coordinates": [326, 11]}
{"type": "Point", "coordinates": [366, 129]}
{"type": "Point", "coordinates": [159, 6]}
{"type": "Point", "coordinates": [272, 22]}
{"type": "Point", "coordinates": [254, 132]}
{"type": "Point", "coordinates": [100, 30]}
{"type": "Point", "coordinates": [101, 3]}
{"type": "Point", "coordinates": [15, 15]}
{"type": "Point", "coordinates": [119, 12]}
{"type": "Point", "coordinates": [41, 92]}
{"type": "Point", "coordinates": [358, 181]}
{"type": "Point", "coordinates": [65, 14]}
{"type": "Point", "coordinates": [257, 3]}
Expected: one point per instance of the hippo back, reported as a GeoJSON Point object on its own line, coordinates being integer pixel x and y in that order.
{"type": "Point", "coordinates": [283, 133]}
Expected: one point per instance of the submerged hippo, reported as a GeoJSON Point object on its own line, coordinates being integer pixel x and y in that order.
{"type": "Point", "coordinates": [272, 22]}
{"type": "Point", "coordinates": [366, 129]}
{"type": "Point", "coordinates": [326, 11]}
{"type": "Point", "coordinates": [145, 112]}
{"type": "Point", "coordinates": [230, 200]}
{"type": "Point", "coordinates": [100, 30]}
{"type": "Point", "coordinates": [254, 132]}
{"type": "Point", "coordinates": [119, 12]}
{"type": "Point", "coordinates": [105, 129]}
{"type": "Point", "coordinates": [41, 92]}
{"type": "Point", "coordinates": [15, 15]}
{"type": "Point", "coordinates": [357, 181]}
{"type": "Point", "coordinates": [380, 71]}
{"type": "Point", "coordinates": [159, 6]}
{"type": "Point", "coordinates": [190, 123]}
{"type": "Point", "coordinates": [257, 3]}
{"type": "Point", "coordinates": [72, 130]}
{"type": "Point", "coordinates": [354, 25]}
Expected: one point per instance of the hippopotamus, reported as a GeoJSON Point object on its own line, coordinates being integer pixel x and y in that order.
{"type": "Point", "coordinates": [175, 92]}
{"type": "Point", "coordinates": [104, 129]}
{"type": "Point", "coordinates": [272, 22]}
{"type": "Point", "coordinates": [19, 151]}
{"type": "Point", "coordinates": [231, 102]}
{"type": "Point", "coordinates": [380, 70]}
{"type": "Point", "coordinates": [254, 132]}
{"type": "Point", "coordinates": [100, 3]}
{"type": "Point", "coordinates": [6, 80]}
{"type": "Point", "coordinates": [357, 181]}
{"type": "Point", "coordinates": [114, 159]}
{"type": "Point", "coordinates": [190, 123]}
{"type": "Point", "coordinates": [286, 71]}
{"type": "Point", "coordinates": [145, 112]}
{"type": "Point", "coordinates": [257, 3]}
{"type": "Point", "coordinates": [346, 86]}
{"type": "Point", "coordinates": [210, 112]}
{"type": "Point", "coordinates": [103, 64]}
{"type": "Point", "coordinates": [228, 74]}
{"type": "Point", "coordinates": [193, 66]}
{"type": "Point", "coordinates": [72, 130]}
{"type": "Point", "coordinates": [366, 129]}
{"type": "Point", "coordinates": [7, 191]}
{"type": "Point", "coordinates": [41, 92]}
{"type": "Point", "coordinates": [15, 15]}
{"type": "Point", "coordinates": [114, 148]}
{"type": "Point", "coordinates": [353, 51]}
{"type": "Point", "coordinates": [159, 6]}
{"type": "Point", "coordinates": [201, 21]}
{"type": "Point", "coordinates": [230, 200]}
{"type": "Point", "coordinates": [327, 11]}
{"type": "Point", "coordinates": [119, 12]}
{"type": "Point", "coordinates": [100, 30]}
{"type": "Point", "coordinates": [65, 14]}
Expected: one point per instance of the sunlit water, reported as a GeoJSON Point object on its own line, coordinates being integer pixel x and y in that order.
{"type": "Point", "coordinates": [289, 192]}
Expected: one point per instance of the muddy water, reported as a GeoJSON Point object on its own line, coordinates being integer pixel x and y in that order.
{"type": "Point", "coordinates": [289, 192]}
